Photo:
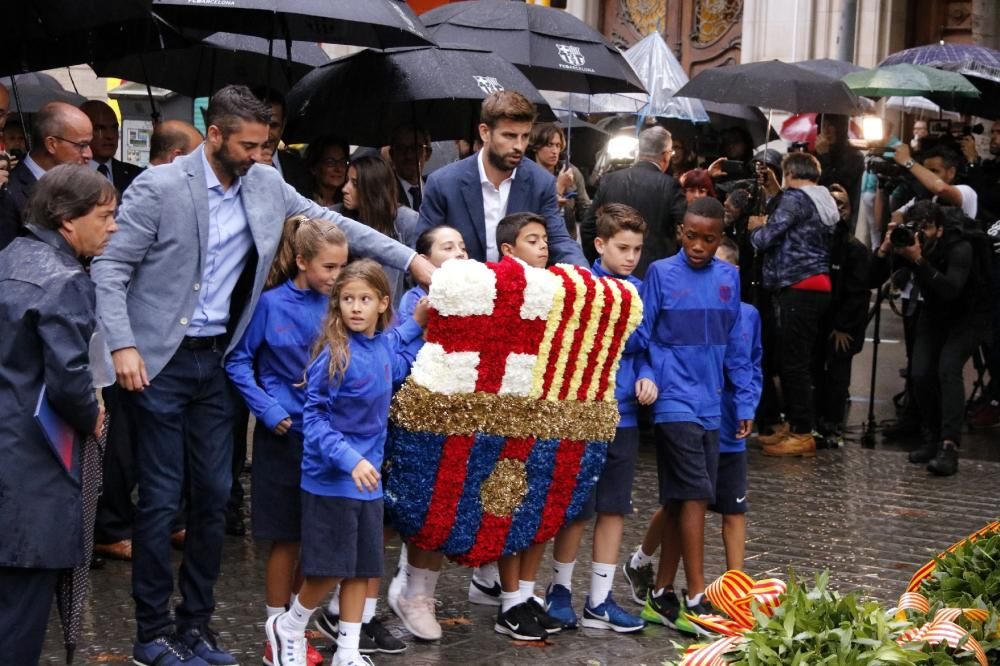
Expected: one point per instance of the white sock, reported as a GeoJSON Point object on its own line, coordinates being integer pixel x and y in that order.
{"type": "Point", "coordinates": [274, 610]}
{"type": "Point", "coordinates": [333, 607]}
{"type": "Point", "coordinates": [348, 638]}
{"type": "Point", "coordinates": [403, 558]}
{"type": "Point", "coordinates": [416, 579]}
{"type": "Point", "coordinates": [371, 603]}
{"type": "Point", "coordinates": [487, 573]}
{"type": "Point", "coordinates": [562, 573]}
{"type": "Point", "coordinates": [640, 559]}
{"type": "Point", "coordinates": [527, 589]}
{"type": "Point", "coordinates": [602, 577]}
{"type": "Point", "coordinates": [694, 601]}
{"type": "Point", "coordinates": [509, 599]}
{"type": "Point", "coordinates": [297, 618]}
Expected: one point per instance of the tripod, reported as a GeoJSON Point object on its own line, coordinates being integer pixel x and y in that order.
{"type": "Point", "coordinates": [868, 436]}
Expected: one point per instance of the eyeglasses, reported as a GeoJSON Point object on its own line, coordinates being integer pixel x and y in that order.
{"type": "Point", "coordinates": [81, 146]}
{"type": "Point", "coordinates": [334, 162]}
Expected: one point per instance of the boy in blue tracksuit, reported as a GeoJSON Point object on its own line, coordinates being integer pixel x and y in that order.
{"type": "Point", "coordinates": [731, 484]}
{"type": "Point", "coordinates": [690, 326]}
{"type": "Point", "coordinates": [620, 235]}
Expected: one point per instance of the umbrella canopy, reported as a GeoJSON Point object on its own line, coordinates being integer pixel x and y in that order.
{"type": "Point", "coordinates": [662, 75]}
{"type": "Point", "coordinates": [554, 49]}
{"type": "Point", "coordinates": [200, 68]}
{"type": "Point", "coordinates": [36, 89]}
{"type": "Point", "coordinates": [835, 69]}
{"type": "Point", "coordinates": [968, 59]}
{"type": "Point", "coordinates": [374, 23]}
{"type": "Point", "coordinates": [908, 80]}
{"type": "Point", "coordinates": [920, 106]}
{"type": "Point", "coordinates": [773, 85]}
{"type": "Point", "coordinates": [363, 97]}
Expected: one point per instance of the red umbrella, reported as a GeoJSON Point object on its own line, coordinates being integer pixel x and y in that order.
{"type": "Point", "coordinates": [804, 127]}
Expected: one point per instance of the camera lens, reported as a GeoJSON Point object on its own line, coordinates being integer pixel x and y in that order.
{"type": "Point", "coordinates": [902, 236]}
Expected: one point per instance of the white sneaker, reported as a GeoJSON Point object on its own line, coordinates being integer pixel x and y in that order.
{"type": "Point", "coordinates": [342, 658]}
{"type": "Point", "coordinates": [287, 649]}
{"type": "Point", "coordinates": [418, 616]}
{"type": "Point", "coordinates": [484, 592]}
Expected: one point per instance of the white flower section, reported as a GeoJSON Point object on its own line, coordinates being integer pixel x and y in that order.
{"type": "Point", "coordinates": [437, 370]}
{"type": "Point", "coordinates": [517, 376]}
{"type": "Point", "coordinates": [538, 293]}
{"type": "Point", "coordinates": [463, 287]}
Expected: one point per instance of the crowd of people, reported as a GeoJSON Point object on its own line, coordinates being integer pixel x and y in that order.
{"type": "Point", "coordinates": [235, 277]}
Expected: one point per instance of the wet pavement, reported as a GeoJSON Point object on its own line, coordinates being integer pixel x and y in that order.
{"type": "Point", "coordinates": [866, 515]}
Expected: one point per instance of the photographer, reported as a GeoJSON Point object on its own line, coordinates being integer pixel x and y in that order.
{"type": "Point", "coordinates": [795, 242]}
{"type": "Point", "coordinates": [937, 171]}
{"type": "Point", "coordinates": [952, 321]}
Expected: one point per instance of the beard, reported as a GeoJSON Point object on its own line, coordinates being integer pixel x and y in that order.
{"type": "Point", "coordinates": [499, 162]}
{"type": "Point", "coordinates": [225, 160]}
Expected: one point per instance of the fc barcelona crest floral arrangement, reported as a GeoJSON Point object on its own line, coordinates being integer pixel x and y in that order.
{"type": "Point", "coordinates": [501, 430]}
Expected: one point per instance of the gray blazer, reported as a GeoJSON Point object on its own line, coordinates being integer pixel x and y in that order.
{"type": "Point", "coordinates": [148, 277]}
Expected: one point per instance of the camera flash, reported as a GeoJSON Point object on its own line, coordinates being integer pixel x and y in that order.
{"type": "Point", "coordinates": [872, 130]}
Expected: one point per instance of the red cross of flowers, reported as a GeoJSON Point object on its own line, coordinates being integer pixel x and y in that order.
{"type": "Point", "coordinates": [494, 336]}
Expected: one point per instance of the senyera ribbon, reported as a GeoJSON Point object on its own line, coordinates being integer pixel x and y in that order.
{"type": "Point", "coordinates": [942, 628]}
{"type": "Point", "coordinates": [924, 572]}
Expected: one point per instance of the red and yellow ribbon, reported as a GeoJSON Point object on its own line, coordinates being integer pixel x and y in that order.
{"type": "Point", "coordinates": [924, 572]}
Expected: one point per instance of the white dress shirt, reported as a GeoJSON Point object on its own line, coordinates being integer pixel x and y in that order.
{"type": "Point", "coordinates": [494, 207]}
{"type": "Point", "coordinates": [94, 164]}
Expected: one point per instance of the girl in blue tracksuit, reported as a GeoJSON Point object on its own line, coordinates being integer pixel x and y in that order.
{"type": "Point", "coordinates": [267, 367]}
{"type": "Point", "coordinates": [345, 422]}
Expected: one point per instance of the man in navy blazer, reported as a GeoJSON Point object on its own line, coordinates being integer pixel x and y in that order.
{"type": "Point", "coordinates": [475, 193]}
{"type": "Point", "coordinates": [175, 290]}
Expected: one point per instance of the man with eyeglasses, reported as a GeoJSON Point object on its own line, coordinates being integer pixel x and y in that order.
{"type": "Point", "coordinates": [61, 135]}
{"type": "Point", "coordinates": [105, 146]}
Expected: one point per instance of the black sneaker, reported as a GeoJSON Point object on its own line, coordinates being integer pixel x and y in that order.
{"type": "Point", "coordinates": [945, 463]}
{"type": "Point", "coordinates": [376, 638]}
{"type": "Point", "coordinates": [326, 623]}
{"type": "Point", "coordinates": [550, 624]}
{"type": "Point", "coordinates": [901, 430]}
{"type": "Point", "coordinates": [520, 624]}
{"type": "Point", "coordinates": [662, 607]}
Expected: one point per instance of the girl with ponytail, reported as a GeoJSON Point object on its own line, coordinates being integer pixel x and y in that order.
{"type": "Point", "coordinates": [267, 368]}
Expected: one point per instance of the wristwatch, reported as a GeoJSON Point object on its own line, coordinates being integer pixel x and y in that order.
{"type": "Point", "coordinates": [908, 164]}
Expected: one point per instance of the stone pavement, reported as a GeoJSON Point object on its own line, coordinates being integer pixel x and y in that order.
{"type": "Point", "coordinates": [867, 515]}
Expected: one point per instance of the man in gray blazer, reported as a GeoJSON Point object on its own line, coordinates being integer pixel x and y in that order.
{"type": "Point", "coordinates": [175, 290]}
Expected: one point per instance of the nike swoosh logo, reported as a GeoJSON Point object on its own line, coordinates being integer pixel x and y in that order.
{"type": "Point", "coordinates": [493, 591]}
{"type": "Point", "coordinates": [740, 500]}
{"type": "Point", "coordinates": [604, 616]}
{"type": "Point", "coordinates": [602, 575]}
{"type": "Point", "coordinates": [514, 627]}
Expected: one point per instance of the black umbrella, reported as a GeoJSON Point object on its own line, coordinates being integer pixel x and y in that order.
{"type": "Point", "coordinates": [554, 49]}
{"type": "Point", "coordinates": [201, 68]}
{"type": "Point", "coordinates": [47, 34]}
{"type": "Point", "coordinates": [834, 69]}
{"type": "Point", "coordinates": [772, 85]}
{"type": "Point", "coordinates": [36, 89]}
{"type": "Point", "coordinates": [74, 584]}
{"type": "Point", "coordinates": [375, 23]}
{"type": "Point", "coordinates": [363, 97]}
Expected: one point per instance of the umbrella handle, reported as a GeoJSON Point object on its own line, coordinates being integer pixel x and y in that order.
{"type": "Point", "coordinates": [20, 111]}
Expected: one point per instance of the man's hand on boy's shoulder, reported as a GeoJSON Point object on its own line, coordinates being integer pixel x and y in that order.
{"type": "Point", "coordinates": [746, 427]}
{"type": "Point", "coordinates": [646, 391]}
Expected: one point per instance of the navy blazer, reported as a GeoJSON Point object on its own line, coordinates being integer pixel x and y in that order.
{"type": "Point", "coordinates": [454, 196]}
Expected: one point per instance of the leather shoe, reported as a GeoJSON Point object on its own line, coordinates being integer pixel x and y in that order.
{"type": "Point", "coordinates": [793, 445]}
{"type": "Point", "coordinates": [924, 453]}
{"type": "Point", "coordinates": [778, 433]}
{"type": "Point", "coordinates": [120, 550]}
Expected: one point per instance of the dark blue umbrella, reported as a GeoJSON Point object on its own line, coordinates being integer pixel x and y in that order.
{"type": "Point", "coordinates": [968, 59]}
{"type": "Point", "coordinates": [553, 48]}
{"type": "Point", "coordinates": [363, 97]}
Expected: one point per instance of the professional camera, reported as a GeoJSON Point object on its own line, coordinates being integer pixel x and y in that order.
{"type": "Point", "coordinates": [969, 130]}
{"type": "Point", "coordinates": [884, 168]}
{"type": "Point", "coordinates": [737, 169]}
{"type": "Point", "coordinates": [904, 234]}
